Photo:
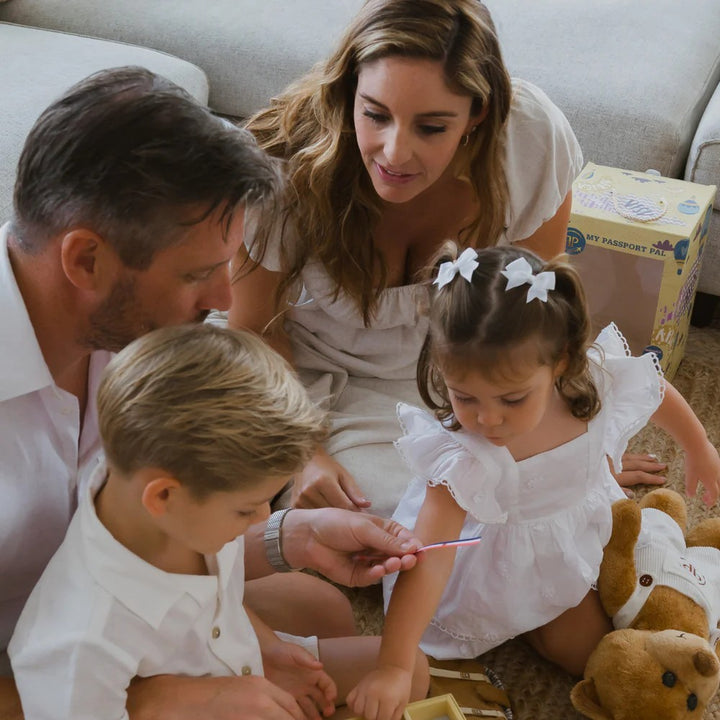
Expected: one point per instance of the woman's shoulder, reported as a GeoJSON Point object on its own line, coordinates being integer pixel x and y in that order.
{"type": "Point", "coordinates": [532, 103]}
{"type": "Point", "coordinates": [542, 158]}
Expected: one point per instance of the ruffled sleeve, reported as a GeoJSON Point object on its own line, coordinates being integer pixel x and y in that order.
{"type": "Point", "coordinates": [434, 454]}
{"type": "Point", "coordinates": [542, 158]}
{"type": "Point", "coordinates": [631, 389]}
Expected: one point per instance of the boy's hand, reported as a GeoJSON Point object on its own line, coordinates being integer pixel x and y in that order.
{"type": "Point", "coordinates": [296, 671]}
{"type": "Point", "coordinates": [703, 465]}
{"type": "Point", "coordinates": [381, 694]}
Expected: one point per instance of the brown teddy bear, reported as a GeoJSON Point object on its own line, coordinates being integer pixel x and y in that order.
{"type": "Point", "coordinates": [662, 589]}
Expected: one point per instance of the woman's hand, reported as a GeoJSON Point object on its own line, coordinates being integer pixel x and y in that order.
{"type": "Point", "coordinates": [638, 470]}
{"type": "Point", "coordinates": [296, 671]}
{"type": "Point", "coordinates": [323, 482]}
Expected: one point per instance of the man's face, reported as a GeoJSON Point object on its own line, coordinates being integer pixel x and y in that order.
{"type": "Point", "coordinates": [182, 284]}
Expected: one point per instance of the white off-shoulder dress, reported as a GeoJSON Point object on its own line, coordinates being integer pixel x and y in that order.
{"type": "Point", "coordinates": [544, 520]}
{"type": "Point", "coordinates": [360, 372]}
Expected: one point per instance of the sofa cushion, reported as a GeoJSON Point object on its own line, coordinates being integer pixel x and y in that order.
{"type": "Point", "coordinates": [633, 77]}
{"type": "Point", "coordinates": [37, 66]}
{"type": "Point", "coordinates": [249, 49]}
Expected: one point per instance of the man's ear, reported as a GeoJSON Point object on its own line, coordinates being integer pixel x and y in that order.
{"type": "Point", "coordinates": [87, 260]}
{"type": "Point", "coordinates": [158, 494]}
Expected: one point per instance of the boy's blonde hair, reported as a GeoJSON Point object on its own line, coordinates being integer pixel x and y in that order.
{"type": "Point", "coordinates": [216, 408]}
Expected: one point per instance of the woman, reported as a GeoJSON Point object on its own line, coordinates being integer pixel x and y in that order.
{"type": "Point", "coordinates": [409, 134]}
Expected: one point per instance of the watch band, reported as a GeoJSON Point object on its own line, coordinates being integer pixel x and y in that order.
{"type": "Point", "coordinates": [273, 541]}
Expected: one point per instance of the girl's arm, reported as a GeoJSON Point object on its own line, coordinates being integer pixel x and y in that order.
{"type": "Point", "coordinates": [383, 694]}
{"type": "Point", "coordinates": [702, 463]}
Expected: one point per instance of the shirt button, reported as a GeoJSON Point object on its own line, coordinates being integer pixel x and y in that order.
{"type": "Point", "coordinates": [216, 632]}
{"type": "Point", "coordinates": [246, 670]}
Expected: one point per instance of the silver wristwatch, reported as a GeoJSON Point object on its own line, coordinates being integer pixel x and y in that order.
{"type": "Point", "coordinates": [273, 544]}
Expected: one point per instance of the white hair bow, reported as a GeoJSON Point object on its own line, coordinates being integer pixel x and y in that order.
{"type": "Point", "coordinates": [465, 265]}
{"type": "Point", "coordinates": [519, 271]}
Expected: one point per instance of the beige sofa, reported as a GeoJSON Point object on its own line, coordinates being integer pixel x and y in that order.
{"type": "Point", "coordinates": [638, 79]}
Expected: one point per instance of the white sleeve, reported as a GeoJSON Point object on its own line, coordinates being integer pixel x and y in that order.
{"type": "Point", "coordinates": [542, 158]}
{"type": "Point", "coordinates": [61, 677]}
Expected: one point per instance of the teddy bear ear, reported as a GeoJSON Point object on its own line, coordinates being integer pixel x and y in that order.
{"type": "Point", "coordinates": [585, 700]}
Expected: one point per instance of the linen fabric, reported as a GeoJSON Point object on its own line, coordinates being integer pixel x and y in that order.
{"type": "Point", "coordinates": [544, 520]}
{"type": "Point", "coordinates": [44, 456]}
{"type": "Point", "coordinates": [362, 372]}
{"type": "Point", "coordinates": [100, 615]}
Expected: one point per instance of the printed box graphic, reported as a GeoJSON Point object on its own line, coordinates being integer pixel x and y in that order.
{"type": "Point", "coordinates": [637, 240]}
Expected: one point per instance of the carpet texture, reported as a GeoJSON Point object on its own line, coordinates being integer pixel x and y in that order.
{"type": "Point", "coordinates": [537, 689]}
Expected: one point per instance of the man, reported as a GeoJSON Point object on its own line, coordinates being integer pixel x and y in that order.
{"type": "Point", "coordinates": [128, 207]}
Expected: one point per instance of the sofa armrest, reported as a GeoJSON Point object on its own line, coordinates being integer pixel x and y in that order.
{"type": "Point", "coordinates": [703, 164]}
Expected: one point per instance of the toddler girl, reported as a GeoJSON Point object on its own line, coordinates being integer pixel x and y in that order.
{"type": "Point", "coordinates": [526, 412]}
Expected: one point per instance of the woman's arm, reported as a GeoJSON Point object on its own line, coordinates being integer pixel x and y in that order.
{"type": "Point", "coordinates": [323, 482]}
{"type": "Point", "coordinates": [549, 239]}
{"type": "Point", "coordinates": [254, 306]}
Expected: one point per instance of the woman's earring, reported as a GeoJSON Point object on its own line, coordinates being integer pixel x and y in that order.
{"type": "Point", "coordinates": [465, 139]}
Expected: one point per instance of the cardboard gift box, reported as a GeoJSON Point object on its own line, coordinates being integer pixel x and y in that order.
{"type": "Point", "coordinates": [637, 240]}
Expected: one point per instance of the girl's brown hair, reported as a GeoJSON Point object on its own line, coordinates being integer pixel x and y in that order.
{"type": "Point", "coordinates": [476, 325]}
{"type": "Point", "coordinates": [330, 206]}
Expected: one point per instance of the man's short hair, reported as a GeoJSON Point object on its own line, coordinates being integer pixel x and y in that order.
{"type": "Point", "coordinates": [133, 157]}
{"type": "Point", "coordinates": [216, 408]}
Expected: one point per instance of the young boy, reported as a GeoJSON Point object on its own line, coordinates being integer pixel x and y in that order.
{"type": "Point", "coordinates": [201, 428]}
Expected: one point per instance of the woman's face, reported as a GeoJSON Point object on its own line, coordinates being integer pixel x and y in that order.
{"type": "Point", "coordinates": [408, 124]}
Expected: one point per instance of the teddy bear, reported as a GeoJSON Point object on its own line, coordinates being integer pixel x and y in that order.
{"type": "Point", "coordinates": [662, 590]}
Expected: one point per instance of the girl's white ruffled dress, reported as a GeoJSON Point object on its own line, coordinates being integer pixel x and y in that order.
{"type": "Point", "coordinates": [544, 520]}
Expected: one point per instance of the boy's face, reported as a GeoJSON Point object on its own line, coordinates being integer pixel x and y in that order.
{"type": "Point", "coordinates": [207, 525]}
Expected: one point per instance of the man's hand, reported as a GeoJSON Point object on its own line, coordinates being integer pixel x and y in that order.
{"type": "Point", "coordinates": [333, 542]}
{"type": "Point", "coordinates": [295, 670]}
{"type": "Point", "coordinates": [250, 697]}
{"type": "Point", "coordinates": [323, 482]}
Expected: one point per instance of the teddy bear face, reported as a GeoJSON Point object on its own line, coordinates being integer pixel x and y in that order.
{"type": "Point", "coordinates": [640, 675]}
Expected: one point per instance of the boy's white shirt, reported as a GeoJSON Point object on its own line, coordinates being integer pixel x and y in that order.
{"type": "Point", "coordinates": [100, 616]}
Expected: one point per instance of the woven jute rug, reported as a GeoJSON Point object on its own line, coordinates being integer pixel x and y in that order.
{"type": "Point", "coordinates": [537, 689]}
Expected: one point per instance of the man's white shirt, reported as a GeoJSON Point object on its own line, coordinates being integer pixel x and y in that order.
{"type": "Point", "coordinates": [44, 457]}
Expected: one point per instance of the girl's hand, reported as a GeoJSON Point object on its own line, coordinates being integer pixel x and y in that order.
{"type": "Point", "coordinates": [381, 694]}
{"type": "Point", "coordinates": [703, 464]}
{"type": "Point", "coordinates": [296, 671]}
{"type": "Point", "coordinates": [323, 482]}
{"type": "Point", "coordinates": [638, 470]}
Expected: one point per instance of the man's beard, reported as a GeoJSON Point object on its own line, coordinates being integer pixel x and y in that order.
{"type": "Point", "coordinates": [120, 319]}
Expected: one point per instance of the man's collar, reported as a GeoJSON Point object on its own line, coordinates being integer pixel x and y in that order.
{"type": "Point", "coordinates": [145, 590]}
{"type": "Point", "coordinates": [22, 366]}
